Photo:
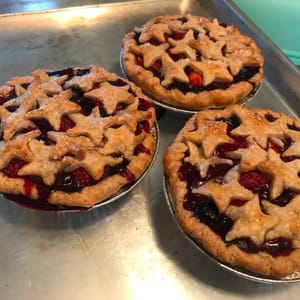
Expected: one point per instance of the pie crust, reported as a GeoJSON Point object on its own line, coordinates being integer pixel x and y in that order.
{"type": "Point", "coordinates": [191, 62]}
{"type": "Point", "coordinates": [73, 137]}
{"type": "Point", "coordinates": [234, 178]}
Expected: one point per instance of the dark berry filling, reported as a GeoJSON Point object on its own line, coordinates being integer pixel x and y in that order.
{"type": "Point", "coordinates": [44, 126]}
{"type": "Point", "coordinates": [142, 126]}
{"type": "Point", "coordinates": [246, 73]}
{"type": "Point", "coordinates": [86, 104]}
{"type": "Point", "coordinates": [66, 123]}
{"type": "Point", "coordinates": [70, 72]}
{"type": "Point", "coordinates": [144, 104]}
{"type": "Point", "coordinates": [270, 118]}
{"type": "Point", "coordinates": [140, 148]}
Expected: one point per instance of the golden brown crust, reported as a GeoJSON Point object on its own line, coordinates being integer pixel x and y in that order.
{"type": "Point", "coordinates": [243, 52]}
{"type": "Point", "coordinates": [110, 124]}
{"type": "Point", "coordinates": [274, 222]}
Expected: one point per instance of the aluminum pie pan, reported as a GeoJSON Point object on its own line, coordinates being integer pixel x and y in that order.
{"type": "Point", "coordinates": [293, 278]}
{"type": "Point", "coordinates": [122, 192]}
{"type": "Point", "coordinates": [184, 111]}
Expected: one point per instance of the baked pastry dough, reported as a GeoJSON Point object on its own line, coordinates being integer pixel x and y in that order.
{"type": "Point", "coordinates": [73, 137]}
{"type": "Point", "coordinates": [191, 62]}
{"type": "Point", "coordinates": [234, 178]}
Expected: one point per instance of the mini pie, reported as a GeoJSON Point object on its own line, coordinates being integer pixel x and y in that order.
{"type": "Point", "coordinates": [191, 62]}
{"type": "Point", "coordinates": [73, 137]}
{"type": "Point", "coordinates": [234, 179]}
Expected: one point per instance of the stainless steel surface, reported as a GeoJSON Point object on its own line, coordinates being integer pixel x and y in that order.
{"type": "Point", "coordinates": [131, 248]}
{"type": "Point", "coordinates": [238, 271]}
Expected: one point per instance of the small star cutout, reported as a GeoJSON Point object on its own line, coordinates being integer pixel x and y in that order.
{"type": "Point", "coordinates": [290, 219]}
{"type": "Point", "coordinates": [54, 108]}
{"type": "Point", "coordinates": [181, 46]}
{"type": "Point", "coordinates": [66, 145]}
{"type": "Point", "coordinates": [93, 162]}
{"type": "Point", "coordinates": [156, 31]}
{"type": "Point", "coordinates": [209, 49]}
{"type": "Point", "coordinates": [223, 193]}
{"type": "Point", "coordinates": [173, 70]}
{"type": "Point", "coordinates": [212, 71]}
{"type": "Point", "coordinates": [294, 148]}
{"type": "Point", "coordinates": [91, 126]}
{"type": "Point", "coordinates": [41, 164]}
{"type": "Point", "coordinates": [119, 140]}
{"type": "Point", "coordinates": [110, 96]}
{"type": "Point", "coordinates": [150, 52]}
{"type": "Point", "coordinates": [211, 133]}
{"type": "Point", "coordinates": [284, 174]}
{"type": "Point", "coordinates": [250, 222]}
{"type": "Point", "coordinates": [17, 147]}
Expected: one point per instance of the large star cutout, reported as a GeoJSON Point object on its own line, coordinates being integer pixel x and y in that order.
{"type": "Point", "coordinates": [110, 96]}
{"type": "Point", "coordinates": [250, 221]}
{"type": "Point", "coordinates": [150, 52]}
{"type": "Point", "coordinates": [86, 82]}
{"type": "Point", "coordinates": [154, 31]}
{"type": "Point", "coordinates": [93, 162]}
{"type": "Point", "coordinates": [284, 174]}
{"type": "Point", "coordinates": [91, 126]}
{"type": "Point", "coordinates": [54, 108]}
{"type": "Point", "coordinates": [173, 70]}
{"type": "Point", "coordinates": [66, 145]}
{"type": "Point", "coordinates": [209, 49]}
{"type": "Point", "coordinates": [289, 215]}
{"type": "Point", "coordinates": [212, 71]}
{"type": "Point", "coordinates": [209, 134]}
{"type": "Point", "coordinates": [41, 165]}
{"type": "Point", "coordinates": [119, 140]}
{"type": "Point", "coordinates": [17, 147]}
{"type": "Point", "coordinates": [53, 85]}
{"type": "Point", "coordinates": [182, 46]}
{"type": "Point", "coordinates": [257, 126]}
{"type": "Point", "coordinates": [223, 193]}
{"type": "Point", "coordinates": [250, 157]}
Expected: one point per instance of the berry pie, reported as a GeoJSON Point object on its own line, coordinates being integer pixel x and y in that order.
{"type": "Point", "coordinates": [73, 137]}
{"type": "Point", "coordinates": [234, 180]}
{"type": "Point", "coordinates": [190, 62]}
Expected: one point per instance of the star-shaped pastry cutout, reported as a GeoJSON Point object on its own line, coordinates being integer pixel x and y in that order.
{"type": "Point", "coordinates": [182, 46]}
{"type": "Point", "coordinates": [195, 156]}
{"type": "Point", "coordinates": [93, 162]}
{"type": "Point", "coordinates": [294, 148]}
{"type": "Point", "coordinates": [258, 127]}
{"type": "Point", "coordinates": [66, 145]}
{"type": "Point", "coordinates": [209, 49]}
{"type": "Point", "coordinates": [86, 82]}
{"type": "Point", "coordinates": [284, 174]}
{"type": "Point", "coordinates": [190, 23]}
{"type": "Point", "coordinates": [41, 164]}
{"type": "Point", "coordinates": [17, 147]}
{"type": "Point", "coordinates": [209, 134]}
{"type": "Point", "coordinates": [91, 126]}
{"type": "Point", "coordinates": [223, 193]}
{"type": "Point", "coordinates": [150, 52]}
{"type": "Point", "coordinates": [250, 157]}
{"type": "Point", "coordinates": [216, 31]}
{"type": "Point", "coordinates": [119, 140]}
{"type": "Point", "coordinates": [250, 222]}
{"type": "Point", "coordinates": [289, 215]}
{"type": "Point", "coordinates": [110, 96]}
{"type": "Point", "coordinates": [173, 70]}
{"type": "Point", "coordinates": [214, 160]}
{"type": "Point", "coordinates": [212, 71]}
{"type": "Point", "coordinates": [54, 108]}
{"type": "Point", "coordinates": [53, 85]}
{"type": "Point", "coordinates": [154, 31]}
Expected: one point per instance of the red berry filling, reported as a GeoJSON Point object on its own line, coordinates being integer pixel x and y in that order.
{"type": "Point", "coordinates": [13, 167]}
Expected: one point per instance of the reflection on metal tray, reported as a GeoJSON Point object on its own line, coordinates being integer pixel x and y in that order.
{"type": "Point", "coordinates": [132, 242]}
{"type": "Point", "coordinates": [238, 271]}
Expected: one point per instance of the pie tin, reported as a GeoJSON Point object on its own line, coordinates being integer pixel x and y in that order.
{"type": "Point", "coordinates": [295, 277]}
{"type": "Point", "coordinates": [118, 195]}
{"type": "Point", "coordinates": [187, 111]}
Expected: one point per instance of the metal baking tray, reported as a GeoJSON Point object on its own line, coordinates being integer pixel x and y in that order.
{"type": "Point", "coordinates": [130, 248]}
